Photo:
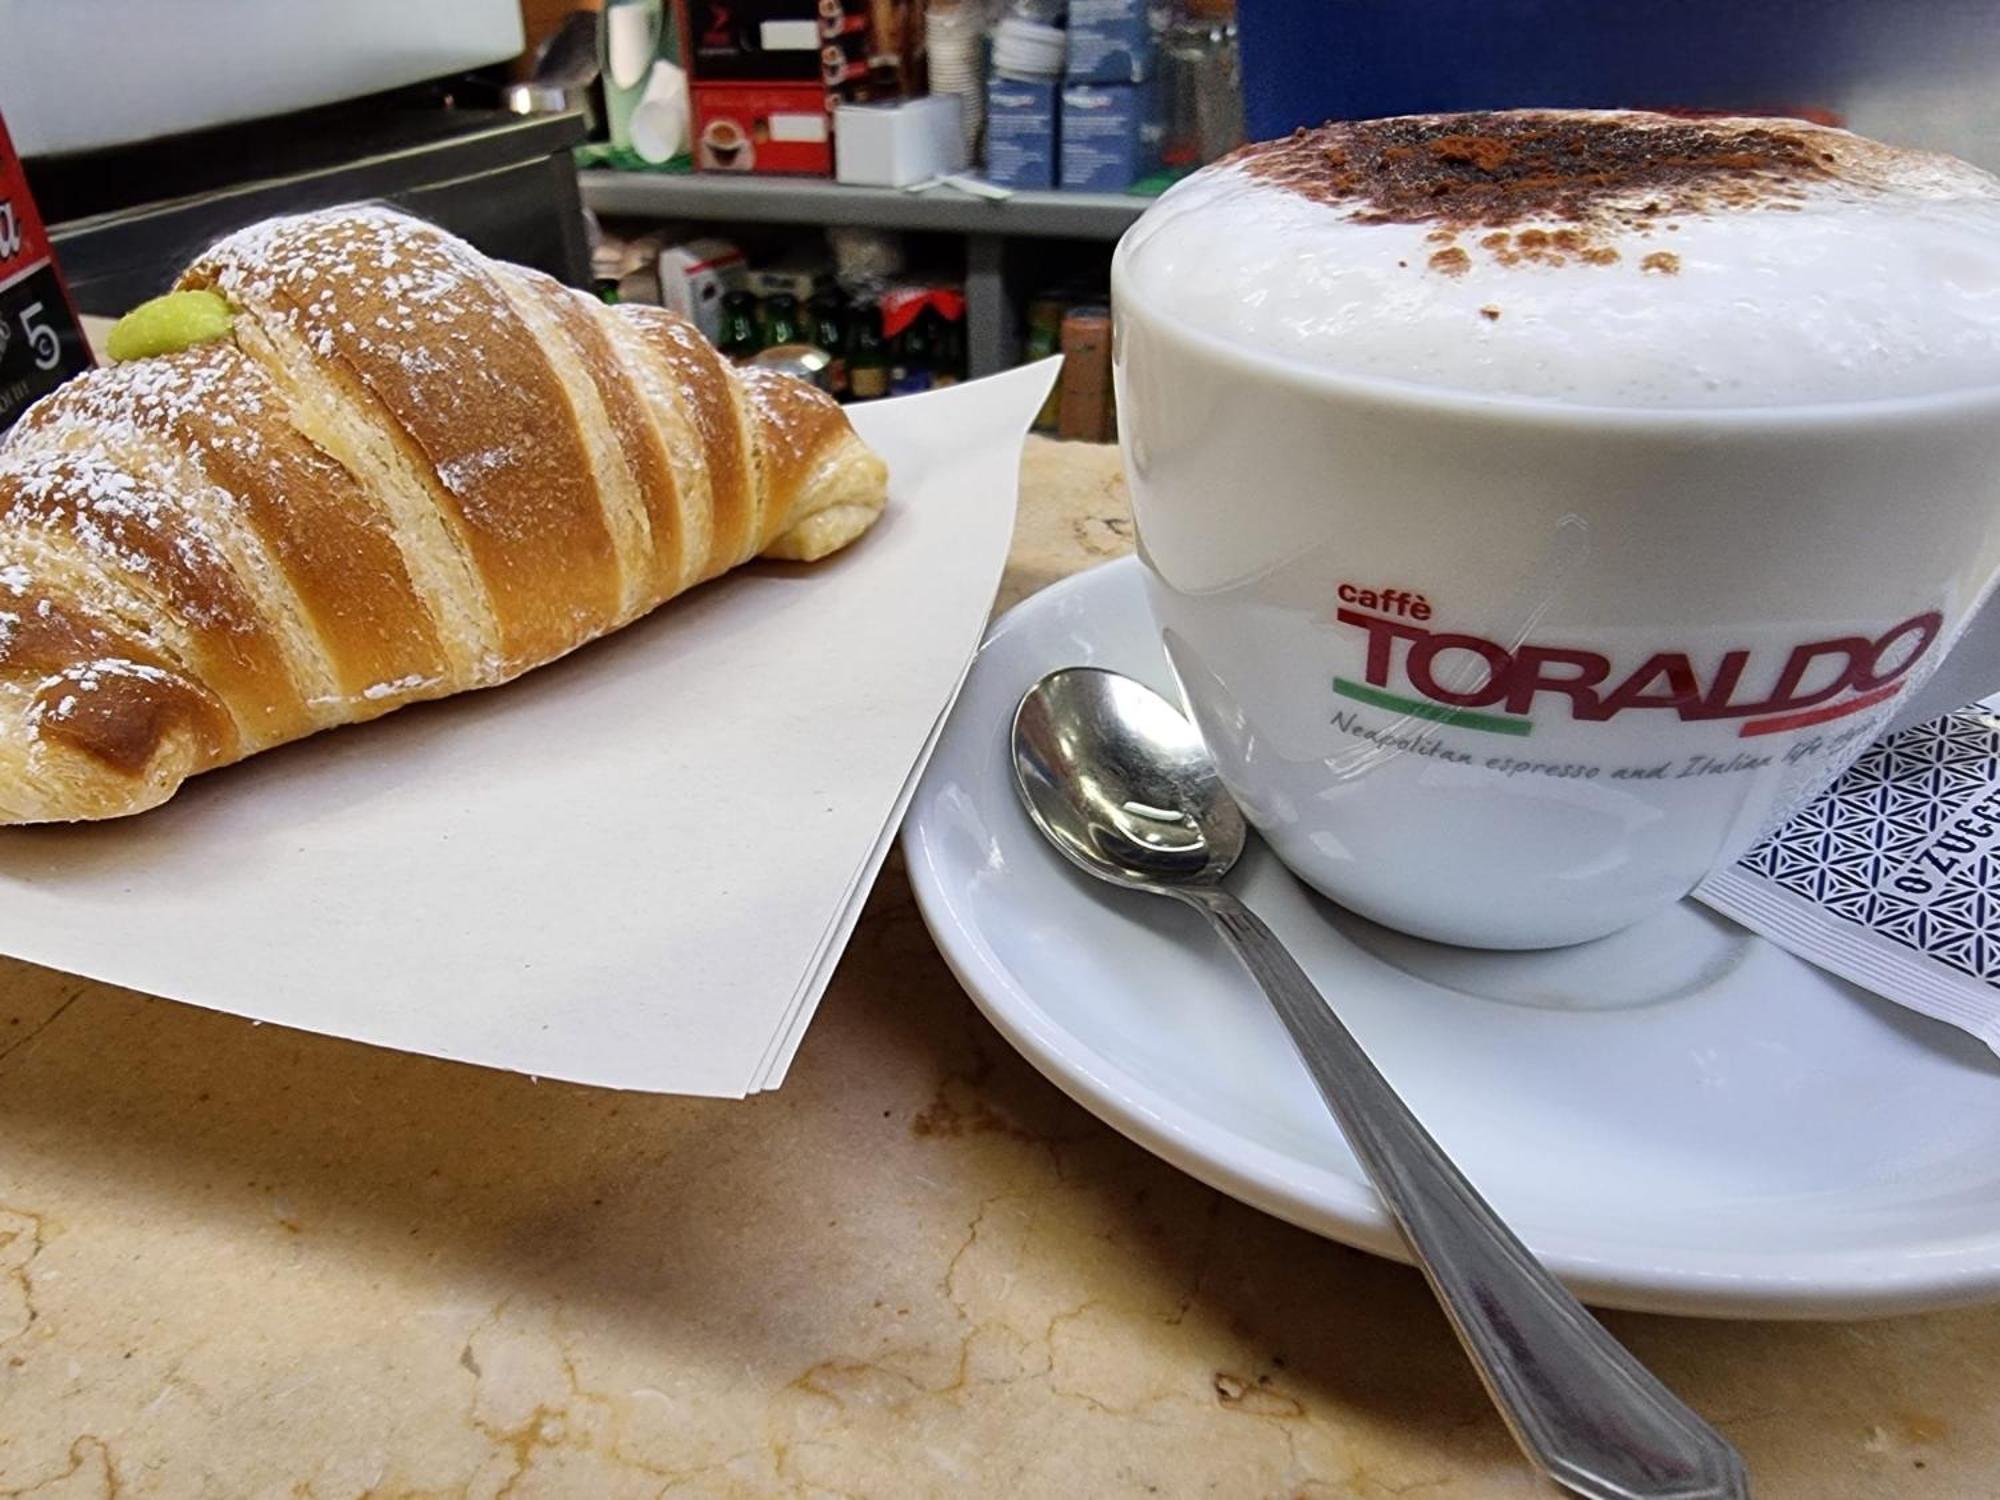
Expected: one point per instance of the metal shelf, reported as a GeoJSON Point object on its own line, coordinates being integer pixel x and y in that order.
{"type": "Point", "coordinates": [805, 200]}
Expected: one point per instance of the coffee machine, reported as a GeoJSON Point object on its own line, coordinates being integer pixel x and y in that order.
{"type": "Point", "coordinates": [149, 131]}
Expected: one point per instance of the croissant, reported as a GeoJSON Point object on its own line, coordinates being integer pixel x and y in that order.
{"type": "Point", "coordinates": [407, 471]}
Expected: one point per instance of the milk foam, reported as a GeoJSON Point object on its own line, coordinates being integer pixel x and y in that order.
{"type": "Point", "coordinates": [1880, 280]}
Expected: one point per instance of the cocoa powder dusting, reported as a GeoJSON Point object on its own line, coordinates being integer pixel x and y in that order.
{"type": "Point", "coordinates": [1497, 170]}
{"type": "Point", "coordinates": [1542, 247]}
{"type": "Point", "coordinates": [1484, 152]}
{"type": "Point", "coordinates": [1452, 262]}
{"type": "Point", "coordinates": [1664, 261]}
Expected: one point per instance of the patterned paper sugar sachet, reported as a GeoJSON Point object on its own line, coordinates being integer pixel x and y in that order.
{"type": "Point", "coordinates": [1891, 878]}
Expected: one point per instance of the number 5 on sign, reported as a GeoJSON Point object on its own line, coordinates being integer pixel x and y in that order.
{"type": "Point", "coordinates": [41, 338]}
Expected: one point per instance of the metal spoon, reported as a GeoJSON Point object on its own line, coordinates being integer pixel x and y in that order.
{"type": "Point", "coordinates": [1121, 783]}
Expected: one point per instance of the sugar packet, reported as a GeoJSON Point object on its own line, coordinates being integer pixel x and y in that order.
{"type": "Point", "coordinates": [1891, 878]}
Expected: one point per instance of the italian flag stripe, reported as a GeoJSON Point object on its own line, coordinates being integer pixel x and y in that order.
{"type": "Point", "coordinates": [1416, 708]}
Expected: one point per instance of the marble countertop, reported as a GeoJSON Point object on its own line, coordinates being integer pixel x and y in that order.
{"type": "Point", "coordinates": [241, 1261]}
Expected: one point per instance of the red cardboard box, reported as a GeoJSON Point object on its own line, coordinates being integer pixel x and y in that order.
{"type": "Point", "coordinates": [763, 127]}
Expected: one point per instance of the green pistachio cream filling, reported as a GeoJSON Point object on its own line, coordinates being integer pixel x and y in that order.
{"type": "Point", "coordinates": [168, 324]}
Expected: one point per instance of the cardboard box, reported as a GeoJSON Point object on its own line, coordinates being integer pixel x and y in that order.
{"type": "Point", "coordinates": [801, 273]}
{"type": "Point", "coordinates": [751, 41]}
{"type": "Point", "coordinates": [1020, 133]}
{"type": "Point", "coordinates": [1113, 41]}
{"type": "Point", "coordinates": [695, 276]}
{"type": "Point", "coordinates": [1084, 412]}
{"type": "Point", "coordinates": [762, 127]}
{"type": "Point", "coordinates": [894, 145]}
{"type": "Point", "coordinates": [1109, 135]}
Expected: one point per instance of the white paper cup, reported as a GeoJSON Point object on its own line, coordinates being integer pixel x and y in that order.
{"type": "Point", "coordinates": [659, 125]}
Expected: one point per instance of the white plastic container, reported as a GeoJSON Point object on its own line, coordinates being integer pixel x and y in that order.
{"type": "Point", "coordinates": [694, 278]}
{"type": "Point", "coordinates": [895, 145]}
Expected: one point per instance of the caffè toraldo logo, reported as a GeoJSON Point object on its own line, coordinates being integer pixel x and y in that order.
{"type": "Point", "coordinates": [1481, 684]}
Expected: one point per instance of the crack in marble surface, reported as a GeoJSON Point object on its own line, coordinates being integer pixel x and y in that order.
{"type": "Point", "coordinates": [34, 1032]}
{"type": "Point", "coordinates": [21, 1240]}
{"type": "Point", "coordinates": [90, 1475]}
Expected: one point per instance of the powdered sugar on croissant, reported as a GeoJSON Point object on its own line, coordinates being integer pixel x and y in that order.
{"type": "Point", "coordinates": [410, 471]}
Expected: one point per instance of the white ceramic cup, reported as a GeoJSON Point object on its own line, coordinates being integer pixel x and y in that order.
{"type": "Point", "coordinates": [1515, 674]}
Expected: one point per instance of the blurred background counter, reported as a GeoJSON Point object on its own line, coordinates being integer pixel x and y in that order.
{"type": "Point", "coordinates": [882, 194]}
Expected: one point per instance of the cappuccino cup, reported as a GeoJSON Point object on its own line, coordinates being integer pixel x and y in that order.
{"type": "Point", "coordinates": [1538, 507]}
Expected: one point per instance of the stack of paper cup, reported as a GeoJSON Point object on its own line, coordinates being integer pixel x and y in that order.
{"type": "Point", "coordinates": [659, 124]}
{"type": "Point", "coordinates": [1024, 48]}
{"type": "Point", "coordinates": [628, 43]}
{"type": "Point", "coordinates": [953, 31]}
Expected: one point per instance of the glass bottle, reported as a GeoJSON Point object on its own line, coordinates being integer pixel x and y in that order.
{"type": "Point", "coordinates": [825, 317]}
{"type": "Point", "coordinates": [867, 355]}
{"type": "Point", "coordinates": [738, 339]}
{"type": "Point", "coordinates": [781, 319]}
{"type": "Point", "coordinates": [1045, 315]}
{"type": "Point", "coordinates": [914, 357]}
{"type": "Point", "coordinates": [949, 366]}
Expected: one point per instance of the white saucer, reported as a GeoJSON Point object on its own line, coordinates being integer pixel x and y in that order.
{"type": "Point", "coordinates": [1680, 1118]}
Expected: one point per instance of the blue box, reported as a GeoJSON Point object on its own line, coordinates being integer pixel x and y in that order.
{"type": "Point", "coordinates": [1020, 133]}
{"type": "Point", "coordinates": [1110, 135]}
{"type": "Point", "coordinates": [1111, 41]}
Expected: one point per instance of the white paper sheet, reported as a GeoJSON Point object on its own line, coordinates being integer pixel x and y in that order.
{"type": "Point", "coordinates": [633, 868]}
{"type": "Point", "coordinates": [1888, 877]}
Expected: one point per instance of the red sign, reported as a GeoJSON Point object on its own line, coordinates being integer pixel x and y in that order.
{"type": "Point", "coordinates": [41, 344]}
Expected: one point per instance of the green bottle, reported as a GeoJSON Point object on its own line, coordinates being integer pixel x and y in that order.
{"type": "Point", "coordinates": [781, 319]}
{"type": "Point", "coordinates": [738, 339]}
{"type": "Point", "coordinates": [950, 352]}
{"type": "Point", "coordinates": [827, 317]}
{"type": "Point", "coordinates": [867, 355]}
{"type": "Point", "coordinates": [1045, 315]}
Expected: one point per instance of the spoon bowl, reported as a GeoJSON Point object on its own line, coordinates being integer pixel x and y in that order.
{"type": "Point", "coordinates": [1119, 781]}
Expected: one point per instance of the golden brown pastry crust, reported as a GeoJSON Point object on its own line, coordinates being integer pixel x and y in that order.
{"type": "Point", "coordinates": [411, 471]}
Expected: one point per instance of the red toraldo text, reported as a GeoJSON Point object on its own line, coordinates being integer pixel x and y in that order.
{"type": "Point", "coordinates": [1468, 671]}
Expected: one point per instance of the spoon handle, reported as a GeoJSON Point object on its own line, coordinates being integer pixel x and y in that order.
{"type": "Point", "coordinates": [1582, 1408]}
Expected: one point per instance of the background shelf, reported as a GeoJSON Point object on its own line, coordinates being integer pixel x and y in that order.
{"type": "Point", "coordinates": [987, 224]}
{"type": "Point", "coordinates": [807, 200]}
